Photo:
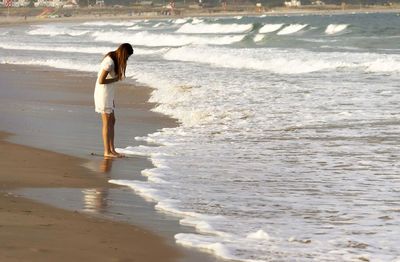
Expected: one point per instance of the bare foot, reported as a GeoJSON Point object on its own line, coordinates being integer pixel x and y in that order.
{"type": "Point", "coordinates": [112, 155]}
{"type": "Point", "coordinates": [117, 154]}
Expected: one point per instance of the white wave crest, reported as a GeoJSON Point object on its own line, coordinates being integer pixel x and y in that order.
{"type": "Point", "coordinates": [67, 49]}
{"type": "Point", "coordinates": [277, 63]}
{"type": "Point", "coordinates": [214, 28]}
{"type": "Point", "coordinates": [270, 28]}
{"type": "Point", "coordinates": [334, 28]}
{"type": "Point", "coordinates": [108, 23]}
{"type": "Point", "coordinates": [158, 25]}
{"type": "Point", "coordinates": [258, 37]}
{"type": "Point", "coordinates": [78, 49]}
{"type": "Point", "coordinates": [153, 40]}
{"type": "Point", "coordinates": [291, 29]}
{"type": "Point", "coordinates": [52, 30]}
{"type": "Point", "coordinates": [55, 63]}
{"type": "Point", "coordinates": [197, 20]}
{"type": "Point", "coordinates": [135, 27]}
{"type": "Point", "coordinates": [180, 21]}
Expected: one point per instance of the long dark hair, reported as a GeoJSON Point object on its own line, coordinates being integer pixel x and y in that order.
{"type": "Point", "coordinates": [120, 57]}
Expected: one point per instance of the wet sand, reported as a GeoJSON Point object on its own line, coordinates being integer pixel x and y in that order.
{"type": "Point", "coordinates": [48, 131]}
{"type": "Point", "coordinates": [30, 231]}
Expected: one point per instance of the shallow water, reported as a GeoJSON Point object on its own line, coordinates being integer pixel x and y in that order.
{"type": "Point", "coordinates": [289, 126]}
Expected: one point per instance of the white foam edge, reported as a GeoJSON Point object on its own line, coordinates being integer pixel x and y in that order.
{"type": "Point", "coordinates": [139, 187]}
{"type": "Point", "coordinates": [130, 150]}
{"type": "Point", "coordinates": [168, 206]}
{"type": "Point", "coordinates": [193, 240]}
{"type": "Point", "coordinates": [143, 189]}
{"type": "Point", "coordinates": [151, 139]}
{"type": "Point", "coordinates": [207, 244]}
{"type": "Point", "coordinates": [155, 175]}
{"type": "Point", "coordinates": [202, 225]}
{"type": "Point", "coordinates": [198, 221]}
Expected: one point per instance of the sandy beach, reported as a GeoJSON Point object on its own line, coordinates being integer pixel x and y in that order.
{"type": "Point", "coordinates": [31, 15]}
{"type": "Point", "coordinates": [56, 203]}
{"type": "Point", "coordinates": [48, 132]}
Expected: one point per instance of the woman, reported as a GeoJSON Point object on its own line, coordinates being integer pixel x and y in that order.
{"type": "Point", "coordinates": [112, 70]}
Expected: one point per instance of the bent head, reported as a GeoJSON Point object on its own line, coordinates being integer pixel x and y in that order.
{"type": "Point", "coordinates": [120, 57]}
{"type": "Point", "coordinates": [124, 51]}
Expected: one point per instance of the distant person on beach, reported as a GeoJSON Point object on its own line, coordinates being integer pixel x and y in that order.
{"type": "Point", "coordinates": [112, 69]}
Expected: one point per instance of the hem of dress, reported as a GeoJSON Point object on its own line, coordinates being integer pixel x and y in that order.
{"type": "Point", "coordinates": [107, 111]}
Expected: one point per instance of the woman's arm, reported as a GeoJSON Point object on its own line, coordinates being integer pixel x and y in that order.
{"type": "Point", "coordinates": [104, 81]}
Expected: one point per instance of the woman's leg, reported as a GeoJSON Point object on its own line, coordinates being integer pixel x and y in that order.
{"type": "Point", "coordinates": [106, 134]}
{"type": "Point", "coordinates": [111, 141]}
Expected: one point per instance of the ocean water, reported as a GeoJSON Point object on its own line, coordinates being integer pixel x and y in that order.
{"type": "Point", "coordinates": [287, 148]}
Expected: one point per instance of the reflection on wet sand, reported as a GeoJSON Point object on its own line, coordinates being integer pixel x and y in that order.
{"type": "Point", "coordinates": [95, 199]}
{"type": "Point", "coordinates": [106, 165]}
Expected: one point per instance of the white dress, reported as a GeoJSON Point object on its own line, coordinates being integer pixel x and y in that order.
{"type": "Point", "coordinates": [104, 94]}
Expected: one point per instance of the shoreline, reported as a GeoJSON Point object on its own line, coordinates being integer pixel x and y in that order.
{"type": "Point", "coordinates": [49, 125]}
{"type": "Point", "coordinates": [89, 14]}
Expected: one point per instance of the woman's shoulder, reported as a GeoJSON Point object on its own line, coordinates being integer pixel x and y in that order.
{"type": "Point", "coordinates": [108, 59]}
{"type": "Point", "coordinates": [107, 63]}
